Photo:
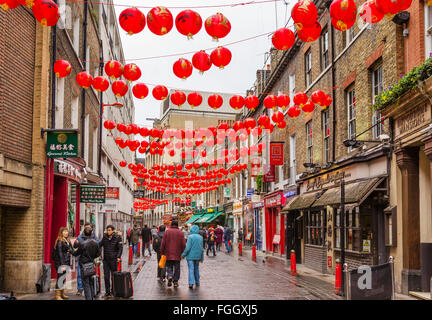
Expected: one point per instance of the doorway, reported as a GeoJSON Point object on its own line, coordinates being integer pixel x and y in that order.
{"type": "Point", "coordinates": [293, 235]}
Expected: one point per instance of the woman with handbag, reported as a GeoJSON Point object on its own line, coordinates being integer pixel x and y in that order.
{"type": "Point", "coordinates": [62, 261]}
{"type": "Point", "coordinates": [88, 251]}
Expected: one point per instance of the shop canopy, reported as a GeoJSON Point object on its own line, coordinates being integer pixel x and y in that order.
{"type": "Point", "coordinates": [194, 218]}
{"type": "Point", "coordinates": [214, 216]}
{"type": "Point", "coordinates": [302, 201]}
{"type": "Point", "coordinates": [204, 218]}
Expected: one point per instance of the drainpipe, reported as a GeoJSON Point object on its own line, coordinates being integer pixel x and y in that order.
{"type": "Point", "coordinates": [333, 93]}
{"type": "Point", "coordinates": [53, 76]}
{"type": "Point", "coordinates": [83, 91]}
{"type": "Point", "coordinates": [101, 68]}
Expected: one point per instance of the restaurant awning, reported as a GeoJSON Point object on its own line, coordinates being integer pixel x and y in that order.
{"type": "Point", "coordinates": [194, 218]}
{"type": "Point", "coordinates": [299, 202]}
{"type": "Point", "coordinates": [355, 192]}
{"type": "Point", "coordinates": [214, 216]}
{"type": "Point", "coordinates": [204, 218]}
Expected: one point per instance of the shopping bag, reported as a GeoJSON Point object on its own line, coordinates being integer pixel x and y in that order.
{"type": "Point", "coordinates": [162, 261]}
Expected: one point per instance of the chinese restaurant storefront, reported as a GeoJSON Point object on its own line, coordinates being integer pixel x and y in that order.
{"type": "Point", "coordinates": [293, 227]}
{"type": "Point", "coordinates": [366, 198]}
{"type": "Point", "coordinates": [258, 211]}
{"type": "Point", "coordinates": [249, 224]}
{"type": "Point", "coordinates": [274, 222]}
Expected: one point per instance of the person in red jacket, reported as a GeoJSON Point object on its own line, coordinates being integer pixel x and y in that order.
{"type": "Point", "coordinates": [173, 245]}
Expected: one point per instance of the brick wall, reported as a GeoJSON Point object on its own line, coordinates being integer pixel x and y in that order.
{"type": "Point", "coordinates": [355, 260]}
{"type": "Point", "coordinates": [316, 258]}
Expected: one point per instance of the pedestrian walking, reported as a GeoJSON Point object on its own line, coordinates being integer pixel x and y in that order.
{"type": "Point", "coordinates": [173, 244]}
{"type": "Point", "coordinates": [185, 232]}
{"type": "Point", "coordinates": [211, 240]}
{"type": "Point", "coordinates": [79, 240]}
{"type": "Point", "coordinates": [240, 235]}
{"type": "Point", "coordinates": [219, 237]}
{"type": "Point", "coordinates": [147, 237]}
{"type": "Point", "coordinates": [134, 238]}
{"type": "Point", "coordinates": [154, 231]}
{"type": "Point", "coordinates": [194, 254]}
{"type": "Point", "coordinates": [128, 236]}
{"type": "Point", "coordinates": [203, 233]}
{"type": "Point", "coordinates": [157, 242]}
{"type": "Point", "coordinates": [227, 238]}
{"type": "Point", "coordinates": [112, 247]}
{"type": "Point", "coordinates": [88, 251]}
{"type": "Point", "coordinates": [62, 261]}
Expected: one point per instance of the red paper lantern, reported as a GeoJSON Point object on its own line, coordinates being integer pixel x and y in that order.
{"type": "Point", "coordinates": [283, 39]}
{"type": "Point", "coordinates": [9, 4]}
{"type": "Point", "coordinates": [221, 57]}
{"type": "Point", "coordinates": [182, 68]}
{"type": "Point", "coordinates": [370, 13]}
{"type": "Point", "coordinates": [113, 69]}
{"type": "Point", "coordinates": [238, 125]}
{"type": "Point", "coordinates": [318, 97]}
{"type": "Point", "coordinates": [309, 34]}
{"type": "Point", "coordinates": [109, 125]}
{"type": "Point", "coordinates": [300, 98]}
{"type": "Point", "coordinates": [132, 20]}
{"type": "Point", "coordinates": [294, 111]}
{"type": "Point", "coordinates": [283, 100]}
{"type": "Point", "coordinates": [131, 72]}
{"type": "Point", "coordinates": [194, 99]}
{"type": "Point", "coordinates": [84, 80]}
{"type": "Point", "coordinates": [178, 98]}
{"type": "Point", "coordinates": [46, 12]}
{"type": "Point", "coordinates": [236, 102]}
{"type": "Point", "coordinates": [188, 23]}
{"type": "Point", "coordinates": [328, 101]}
{"type": "Point", "coordinates": [308, 107]}
{"type": "Point", "coordinates": [100, 84]}
{"type": "Point", "coordinates": [217, 26]}
{"type": "Point", "coordinates": [343, 14]}
{"type": "Point", "coordinates": [140, 90]}
{"type": "Point", "coordinates": [251, 102]}
{"type": "Point", "coordinates": [271, 102]}
{"type": "Point", "coordinates": [263, 121]}
{"type": "Point", "coordinates": [249, 123]}
{"type": "Point", "coordinates": [122, 164]}
{"type": "Point", "coordinates": [119, 88]}
{"type": "Point", "coordinates": [160, 20]}
{"type": "Point", "coordinates": [304, 13]}
{"type": "Point", "coordinates": [390, 7]}
{"type": "Point", "coordinates": [277, 117]}
{"type": "Point", "coordinates": [215, 101]}
{"type": "Point", "coordinates": [201, 61]}
{"type": "Point", "coordinates": [62, 68]}
{"type": "Point", "coordinates": [281, 125]}
{"type": "Point", "coordinates": [160, 92]}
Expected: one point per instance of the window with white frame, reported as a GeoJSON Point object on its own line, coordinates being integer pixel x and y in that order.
{"type": "Point", "coordinates": [326, 134]}
{"type": "Point", "coordinates": [291, 82]}
{"type": "Point", "coordinates": [351, 112]}
{"type": "Point", "coordinates": [74, 112]}
{"type": "Point", "coordinates": [349, 35]}
{"type": "Point", "coordinates": [59, 110]}
{"type": "Point", "coordinates": [308, 67]}
{"type": "Point", "coordinates": [292, 151]}
{"type": "Point", "coordinates": [86, 140]}
{"type": "Point", "coordinates": [428, 31]}
{"type": "Point", "coordinates": [95, 148]}
{"type": "Point", "coordinates": [324, 50]}
{"type": "Point", "coordinates": [377, 88]}
{"type": "Point", "coordinates": [309, 145]}
{"type": "Point", "coordinates": [76, 34]}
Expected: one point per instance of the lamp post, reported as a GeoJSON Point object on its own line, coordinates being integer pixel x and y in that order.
{"type": "Point", "coordinates": [342, 226]}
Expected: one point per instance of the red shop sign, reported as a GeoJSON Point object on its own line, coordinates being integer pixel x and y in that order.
{"type": "Point", "coordinates": [112, 193]}
{"type": "Point", "coordinates": [274, 201]}
{"type": "Point", "coordinates": [276, 153]}
{"type": "Point", "coordinates": [269, 175]}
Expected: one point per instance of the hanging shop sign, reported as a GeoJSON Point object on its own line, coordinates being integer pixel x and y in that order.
{"type": "Point", "coordinates": [269, 175]}
{"type": "Point", "coordinates": [274, 201]}
{"type": "Point", "coordinates": [92, 193]}
{"type": "Point", "coordinates": [276, 153]}
{"type": "Point", "coordinates": [193, 204]}
{"type": "Point", "coordinates": [290, 192]}
{"type": "Point", "coordinates": [67, 170]}
{"type": "Point", "coordinates": [330, 179]}
{"type": "Point", "coordinates": [237, 208]}
{"type": "Point", "coordinates": [139, 194]}
{"type": "Point", "coordinates": [112, 193]}
{"type": "Point", "coordinates": [227, 192]}
{"type": "Point", "coordinates": [256, 198]}
{"type": "Point", "coordinates": [62, 144]}
{"type": "Point", "coordinates": [276, 239]}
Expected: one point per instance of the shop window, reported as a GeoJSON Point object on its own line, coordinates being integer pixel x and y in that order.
{"type": "Point", "coordinates": [308, 67]}
{"type": "Point", "coordinates": [428, 31]}
{"type": "Point", "coordinates": [358, 228]}
{"type": "Point", "coordinates": [291, 81]}
{"type": "Point", "coordinates": [315, 227]}
{"type": "Point", "coordinates": [377, 88]}
{"type": "Point", "coordinates": [324, 50]}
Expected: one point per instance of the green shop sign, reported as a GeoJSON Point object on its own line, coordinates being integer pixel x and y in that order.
{"type": "Point", "coordinates": [62, 144]}
{"type": "Point", "coordinates": [92, 193]}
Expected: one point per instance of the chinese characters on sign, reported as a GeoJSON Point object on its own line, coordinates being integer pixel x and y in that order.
{"type": "Point", "coordinates": [92, 193]}
{"type": "Point", "coordinates": [276, 153]}
{"type": "Point", "coordinates": [62, 144]}
{"type": "Point", "coordinates": [113, 193]}
{"type": "Point", "coordinates": [270, 175]}
{"type": "Point", "coordinates": [67, 169]}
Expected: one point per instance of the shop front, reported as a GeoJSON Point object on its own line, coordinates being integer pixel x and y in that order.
{"type": "Point", "coordinates": [274, 222]}
{"type": "Point", "coordinates": [319, 208]}
{"type": "Point", "coordinates": [258, 211]}
{"type": "Point", "coordinates": [229, 218]}
{"type": "Point", "coordinates": [293, 227]}
{"type": "Point", "coordinates": [212, 216]}
{"type": "Point", "coordinates": [238, 219]}
{"type": "Point", "coordinates": [249, 224]}
{"type": "Point", "coordinates": [63, 185]}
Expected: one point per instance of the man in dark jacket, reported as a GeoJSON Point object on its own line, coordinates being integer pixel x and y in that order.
{"type": "Point", "coordinates": [173, 245]}
{"type": "Point", "coordinates": [227, 237]}
{"type": "Point", "coordinates": [112, 252]}
{"type": "Point", "coordinates": [203, 234]}
{"type": "Point", "coordinates": [146, 238]}
{"type": "Point", "coordinates": [157, 242]}
{"type": "Point", "coordinates": [134, 238]}
{"type": "Point", "coordinates": [88, 250]}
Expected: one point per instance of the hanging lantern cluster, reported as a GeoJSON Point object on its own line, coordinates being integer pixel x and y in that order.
{"type": "Point", "coordinates": [305, 16]}
{"type": "Point", "coordinates": [343, 14]}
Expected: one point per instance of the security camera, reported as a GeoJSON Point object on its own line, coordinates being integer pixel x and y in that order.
{"type": "Point", "coordinates": [384, 138]}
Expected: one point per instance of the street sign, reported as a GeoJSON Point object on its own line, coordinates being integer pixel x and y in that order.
{"type": "Point", "coordinates": [62, 144]}
{"type": "Point", "coordinates": [227, 192]}
{"type": "Point", "coordinates": [92, 193]}
{"type": "Point", "coordinates": [249, 193]}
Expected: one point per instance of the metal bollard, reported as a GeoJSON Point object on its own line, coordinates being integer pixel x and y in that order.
{"type": "Point", "coordinates": [293, 263]}
{"type": "Point", "coordinates": [240, 248]}
{"type": "Point", "coordinates": [130, 255]}
{"type": "Point", "coordinates": [338, 277]}
{"type": "Point", "coordinates": [254, 253]}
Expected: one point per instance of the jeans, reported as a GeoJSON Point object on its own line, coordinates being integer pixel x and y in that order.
{"type": "Point", "coordinates": [161, 273]}
{"type": "Point", "coordinates": [146, 245]}
{"type": "Point", "coordinates": [193, 266]}
{"type": "Point", "coordinates": [218, 246]}
{"type": "Point", "coordinates": [227, 246]}
{"type": "Point", "coordinates": [79, 280]}
{"type": "Point", "coordinates": [134, 248]}
{"type": "Point", "coordinates": [212, 247]}
{"type": "Point", "coordinates": [88, 287]}
{"type": "Point", "coordinates": [109, 267]}
{"type": "Point", "coordinates": [173, 269]}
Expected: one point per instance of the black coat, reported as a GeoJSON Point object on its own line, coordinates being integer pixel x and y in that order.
{"type": "Point", "coordinates": [146, 235]}
{"type": "Point", "coordinates": [63, 254]}
{"type": "Point", "coordinates": [112, 248]}
{"type": "Point", "coordinates": [88, 250]}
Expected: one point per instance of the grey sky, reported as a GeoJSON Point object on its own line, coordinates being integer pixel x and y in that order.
{"type": "Point", "coordinates": [246, 21]}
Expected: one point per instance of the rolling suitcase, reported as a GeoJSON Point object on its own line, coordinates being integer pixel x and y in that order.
{"type": "Point", "coordinates": [122, 284]}
{"type": "Point", "coordinates": [96, 284]}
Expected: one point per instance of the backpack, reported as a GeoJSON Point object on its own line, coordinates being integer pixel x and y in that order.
{"type": "Point", "coordinates": [128, 233]}
{"type": "Point", "coordinates": [156, 243]}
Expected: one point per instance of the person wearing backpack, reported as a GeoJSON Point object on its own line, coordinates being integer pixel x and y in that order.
{"type": "Point", "coordinates": [62, 260]}
{"type": "Point", "coordinates": [211, 240]}
{"type": "Point", "coordinates": [194, 254]}
{"type": "Point", "coordinates": [157, 241]}
{"type": "Point", "coordinates": [88, 251]}
{"type": "Point", "coordinates": [227, 238]}
{"type": "Point", "coordinates": [146, 239]}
